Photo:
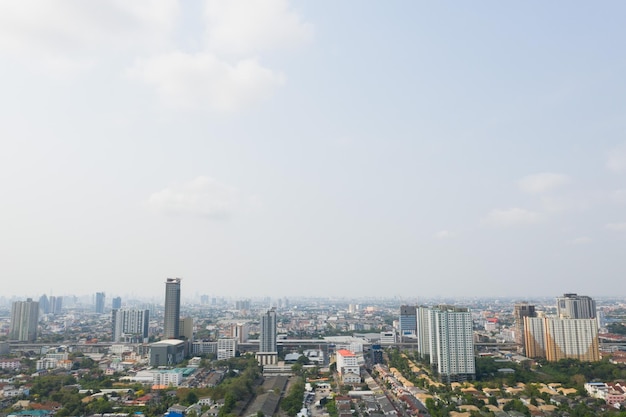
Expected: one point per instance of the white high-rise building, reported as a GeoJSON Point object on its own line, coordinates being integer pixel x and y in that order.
{"type": "Point", "coordinates": [423, 331]}
{"type": "Point", "coordinates": [556, 339]}
{"type": "Point", "coordinates": [24, 320]}
{"type": "Point", "coordinates": [452, 343]}
{"type": "Point", "coordinates": [226, 348]}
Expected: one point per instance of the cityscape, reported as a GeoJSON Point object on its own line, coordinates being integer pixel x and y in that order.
{"type": "Point", "coordinates": [273, 208]}
{"type": "Point", "coordinates": [311, 357]}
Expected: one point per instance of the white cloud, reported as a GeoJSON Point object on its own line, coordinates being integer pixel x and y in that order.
{"type": "Point", "coordinates": [617, 227]}
{"type": "Point", "coordinates": [203, 196]}
{"type": "Point", "coordinates": [444, 234]}
{"type": "Point", "coordinates": [69, 29]}
{"type": "Point", "coordinates": [242, 27]}
{"type": "Point", "coordinates": [542, 182]}
{"type": "Point", "coordinates": [616, 160]}
{"type": "Point", "coordinates": [511, 217]}
{"type": "Point", "coordinates": [191, 80]}
{"type": "Point", "coordinates": [583, 240]}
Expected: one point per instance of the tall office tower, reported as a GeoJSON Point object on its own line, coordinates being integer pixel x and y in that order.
{"type": "Point", "coordinates": [423, 331]}
{"type": "Point", "coordinates": [267, 338]}
{"type": "Point", "coordinates": [56, 304]}
{"type": "Point", "coordinates": [116, 303]}
{"type": "Point", "coordinates": [204, 299]}
{"type": "Point", "coordinates": [520, 311]}
{"type": "Point", "coordinates": [452, 343]}
{"type": "Point", "coordinates": [556, 339]}
{"type": "Point", "coordinates": [130, 325]}
{"type": "Point", "coordinates": [576, 306]}
{"type": "Point", "coordinates": [44, 304]}
{"type": "Point", "coordinates": [24, 318]}
{"type": "Point", "coordinates": [100, 302]}
{"type": "Point", "coordinates": [172, 309]}
{"type": "Point", "coordinates": [408, 321]}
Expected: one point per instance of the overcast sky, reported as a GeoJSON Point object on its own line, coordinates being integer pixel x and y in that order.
{"type": "Point", "coordinates": [267, 147]}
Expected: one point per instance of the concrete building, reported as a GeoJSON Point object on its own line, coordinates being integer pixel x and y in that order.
{"type": "Point", "coordinates": [167, 352]}
{"type": "Point", "coordinates": [407, 323]}
{"type": "Point", "coordinates": [348, 366]}
{"type": "Point", "coordinates": [267, 338]}
{"type": "Point", "coordinates": [388, 338]}
{"type": "Point", "coordinates": [268, 349]}
{"type": "Point", "coordinates": [226, 349]}
{"type": "Point", "coordinates": [556, 339]}
{"type": "Point", "coordinates": [452, 343]}
{"type": "Point", "coordinates": [167, 377]}
{"type": "Point", "coordinates": [423, 332]}
{"type": "Point", "coordinates": [574, 306]}
{"type": "Point", "coordinates": [56, 304]}
{"type": "Point", "coordinates": [185, 329]}
{"type": "Point", "coordinates": [521, 310]}
{"type": "Point", "coordinates": [24, 320]}
{"type": "Point", "coordinates": [131, 326]}
{"type": "Point", "coordinates": [240, 331]}
{"type": "Point", "coordinates": [99, 303]}
{"type": "Point", "coordinates": [171, 320]}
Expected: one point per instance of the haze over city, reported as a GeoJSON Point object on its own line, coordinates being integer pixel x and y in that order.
{"type": "Point", "coordinates": [313, 148]}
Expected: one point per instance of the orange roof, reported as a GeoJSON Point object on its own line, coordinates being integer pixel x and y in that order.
{"type": "Point", "coordinates": [344, 353]}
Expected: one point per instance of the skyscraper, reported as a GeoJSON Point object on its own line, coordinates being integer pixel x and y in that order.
{"type": "Point", "coordinates": [172, 309]}
{"type": "Point", "coordinates": [44, 304]}
{"type": "Point", "coordinates": [116, 303]}
{"type": "Point", "coordinates": [267, 338]}
{"type": "Point", "coordinates": [520, 311]}
{"type": "Point", "coordinates": [100, 302]}
{"type": "Point", "coordinates": [407, 322]}
{"type": "Point", "coordinates": [24, 318]}
{"type": "Point", "coordinates": [576, 306]}
{"type": "Point", "coordinates": [56, 304]}
{"type": "Point", "coordinates": [452, 343]}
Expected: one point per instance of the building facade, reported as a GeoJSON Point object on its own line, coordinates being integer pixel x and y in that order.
{"type": "Point", "coordinates": [167, 353]}
{"type": "Point", "coordinates": [520, 311]}
{"type": "Point", "coordinates": [452, 343]}
{"type": "Point", "coordinates": [130, 326]}
{"type": "Point", "coordinates": [171, 319]}
{"type": "Point", "coordinates": [267, 337]}
{"type": "Point", "coordinates": [574, 306]}
{"type": "Point", "coordinates": [99, 303]}
{"type": "Point", "coordinates": [226, 349]}
{"type": "Point", "coordinates": [407, 323]}
{"type": "Point", "coordinates": [24, 320]}
{"type": "Point", "coordinates": [556, 339]}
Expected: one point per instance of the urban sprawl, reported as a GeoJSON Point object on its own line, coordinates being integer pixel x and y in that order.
{"type": "Point", "coordinates": [210, 356]}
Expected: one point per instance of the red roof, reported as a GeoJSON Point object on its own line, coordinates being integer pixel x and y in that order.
{"type": "Point", "coordinates": [344, 353]}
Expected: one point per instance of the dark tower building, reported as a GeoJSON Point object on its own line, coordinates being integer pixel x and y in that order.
{"type": "Point", "coordinates": [520, 311]}
{"type": "Point", "coordinates": [172, 309]}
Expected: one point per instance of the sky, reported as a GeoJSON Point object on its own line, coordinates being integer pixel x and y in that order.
{"type": "Point", "coordinates": [278, 148]}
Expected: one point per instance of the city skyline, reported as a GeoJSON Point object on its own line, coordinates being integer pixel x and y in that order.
{"type": "Point", "coordinates": [248, 147]}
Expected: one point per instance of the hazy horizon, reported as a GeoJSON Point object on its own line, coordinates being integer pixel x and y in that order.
{"type": "Point", "coordinates": [275, 147]}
